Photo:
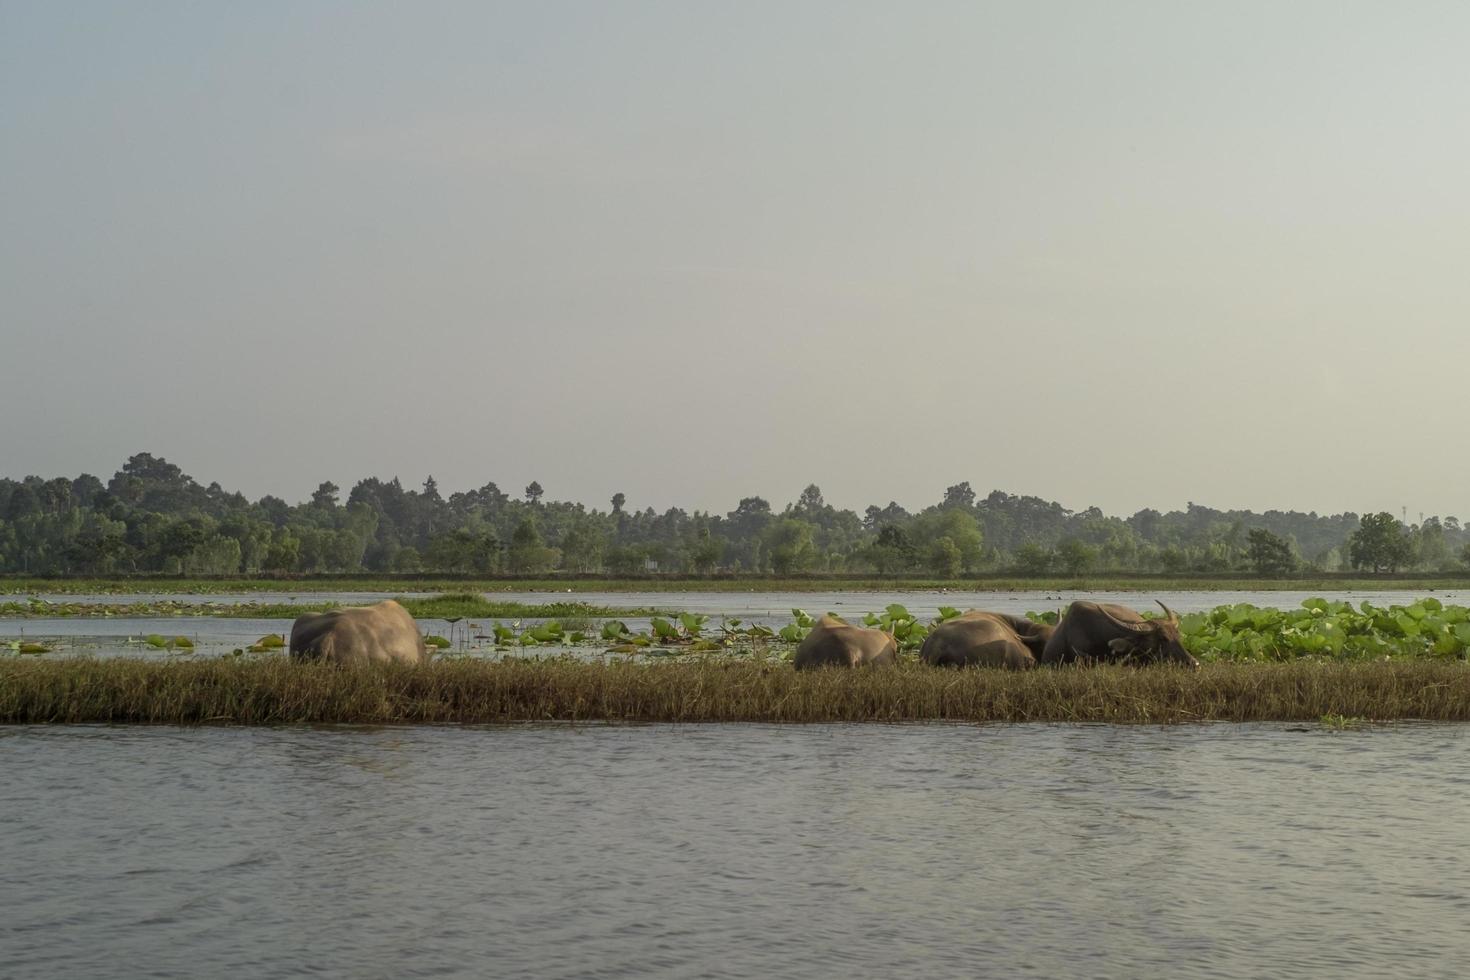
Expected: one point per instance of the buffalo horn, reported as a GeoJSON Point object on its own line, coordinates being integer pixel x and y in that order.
{"type": "Point", "coordinates": [1143, 627]}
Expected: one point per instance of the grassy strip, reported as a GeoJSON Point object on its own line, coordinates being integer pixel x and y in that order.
{"type": "Point", "coordinates": [277, 691]}
{"type": "Point", "coordinates": [454, 606]}
{"type": "Point", "coordinates": [985, 583]}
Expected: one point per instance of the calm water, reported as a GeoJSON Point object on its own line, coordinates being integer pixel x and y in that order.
{"type": "Point", "coordinates": [924, 851]}
{"type": "Point", "coordinates": [213, 636]}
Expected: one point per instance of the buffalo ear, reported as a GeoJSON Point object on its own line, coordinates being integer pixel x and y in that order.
{"type": "Point", "coordinates": [1122, 645]}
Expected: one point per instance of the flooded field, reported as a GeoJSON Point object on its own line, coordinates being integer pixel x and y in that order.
{"type": "Point", "coordinates": [213, 636]}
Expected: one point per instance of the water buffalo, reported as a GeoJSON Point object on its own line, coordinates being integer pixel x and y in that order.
{"type": "Point", "coordinates": [1104, 632]}
{"type": "Point", "coordinates": [985, 639]}
{"type": "Point", "coordinates": [833, 643]}
{"type": "Point", "coordinates": [381, 633]}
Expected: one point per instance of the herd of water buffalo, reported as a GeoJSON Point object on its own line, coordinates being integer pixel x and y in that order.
{"type": "Point", "coordinates": [1088, 632]}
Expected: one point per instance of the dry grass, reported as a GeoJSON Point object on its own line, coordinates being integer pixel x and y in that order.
{"type": "Point", "coordinates": [277, 691]}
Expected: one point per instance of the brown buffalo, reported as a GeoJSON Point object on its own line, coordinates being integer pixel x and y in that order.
{"type": "Point", "coordinates": [381, 633]}
{"type": "Point", "coordinates": [985, 639]}
{"type": "Point", "coordinates": [1107, 633]}
{"type": "Point", "coordinates": [833, 643]}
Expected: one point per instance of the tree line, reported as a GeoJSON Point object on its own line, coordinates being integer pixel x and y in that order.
{"type": "Point", "coordinates": [151, 517]}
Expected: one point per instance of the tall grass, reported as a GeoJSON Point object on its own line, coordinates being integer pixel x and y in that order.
{"type": "Point", "coordinates": [278, 691]}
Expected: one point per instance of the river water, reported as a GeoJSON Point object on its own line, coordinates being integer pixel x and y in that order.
{"type": "Point", "coordinates": [735, 851]}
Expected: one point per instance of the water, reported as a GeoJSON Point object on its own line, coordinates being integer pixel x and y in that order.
{"type": "Point", "coordinates": [214, 636]}
{"type": "Point", "coordinates": [738, 851]}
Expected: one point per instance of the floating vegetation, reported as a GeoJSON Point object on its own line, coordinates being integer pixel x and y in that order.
{"type": "Point", "coordinates": [1335, 630]}
{"type": "Point", "coordinates": [1243, 632]}
{"type": "Point", "coordinates": [275, 690]}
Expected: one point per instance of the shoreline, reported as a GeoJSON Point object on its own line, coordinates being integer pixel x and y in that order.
{"type": "Point", "coordinates": [394, 585]}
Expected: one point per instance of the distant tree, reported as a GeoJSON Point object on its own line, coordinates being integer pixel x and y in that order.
{"type": "Point", "coordinates": [945, 558]}
{"type": "Point", "coordinates": [463, 550]}
{"type": "Point", "coordinates": [1270, 554]}
{"type": "Point", "coordinates": [582, 546]}
{"type": "Point", "coordinates": [284, 551]}
{"type": "Point", "coordinates": [1076, 557]}
{"type": "Point", "coordinates": [533, 493]}
{"type": "Point", "coordinates": [86, 488]}
{"type": "Point", "coordinates": [618, 500]}
{"type": "Point", "coordinates": [528, 552]}
{"type": "Point", "coordinates": [959, 495]}
{"type": "Point", "coordinates": [707, 551]}
{"type": "Point", "coordinates": [876, 517]}
{"type": "Point", "coordinates": [1031, 559]}
{"type": "Point", "coordinates": [955, 524]}
{"type": "Point", "coordinates": [1380, 542]}
{"type": "Point", "coordinates": [99, 545]}
{"type": "Point", "coordinates": [810, 500]}
{"type": "Point", "coordinates": [431, 490]}
{"type": "Point", "coordinates": [789, 545]}
{"type": "Point", "coordinates": [326, 495]}
{"type": "Point", "coordinates": [1431, 550]}
{"type": "Point", "coordinates": [1465, 555]}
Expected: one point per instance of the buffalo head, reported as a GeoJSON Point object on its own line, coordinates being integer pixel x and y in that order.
{"type": "Point", "coordinates": [1151, 641]}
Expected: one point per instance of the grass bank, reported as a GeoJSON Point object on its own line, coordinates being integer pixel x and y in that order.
{"type": "Point", "coordinates": [273, 691]}
{"type": "Point", "coordinates": [393, 585]}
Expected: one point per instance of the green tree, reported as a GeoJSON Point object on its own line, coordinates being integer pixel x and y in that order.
{"type": "Point", "coordinates": [1076, 557]}
{"type": "Point", "coordinates": [954, 523]}
{"type": "Point", "coordinates": [284, 551]}
{"type": "Point", "coordinates": [959, 495]}
{"type": "Point", "coordinates": [891, 551]}
{"type": "Point", "coordinates": [1270, 554]}
{"type": "Point", "coordinates": [1380, 542]}
{"type": "Point", "coordinates": [945, 558]}
{"type": "Point", "coordinates": [325, 496]}
{"type": "Point", "coordinates": [706, 552]}
{"type": "Point", "coordinates": [529, 554]}
{"type": "Point", "coordinates": [789, 543]}
{"type": "Point", "coordinates": [1032, 559]}
{"type": "Point", "coordinates": [582, 546]}
{"type": "Point", "coordinates": [99, 545]}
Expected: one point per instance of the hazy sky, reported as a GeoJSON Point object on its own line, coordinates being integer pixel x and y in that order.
{"type": "Point", "coordinates": [1124, 254]}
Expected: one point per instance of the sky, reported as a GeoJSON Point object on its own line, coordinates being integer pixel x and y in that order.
{"type": "Point", "coordinates": [1128, 255]}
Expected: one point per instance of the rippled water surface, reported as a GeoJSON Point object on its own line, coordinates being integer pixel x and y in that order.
{"type": "Point", "coordinates": [738, 851]}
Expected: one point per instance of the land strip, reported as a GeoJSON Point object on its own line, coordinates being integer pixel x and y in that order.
{"type": "Point", "coordinates": [276, 691]}
{"type": "Point", "coordinates": [395, 585]}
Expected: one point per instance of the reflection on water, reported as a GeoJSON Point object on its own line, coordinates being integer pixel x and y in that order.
{"type": "Point", "coordinates": [735, 851]}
